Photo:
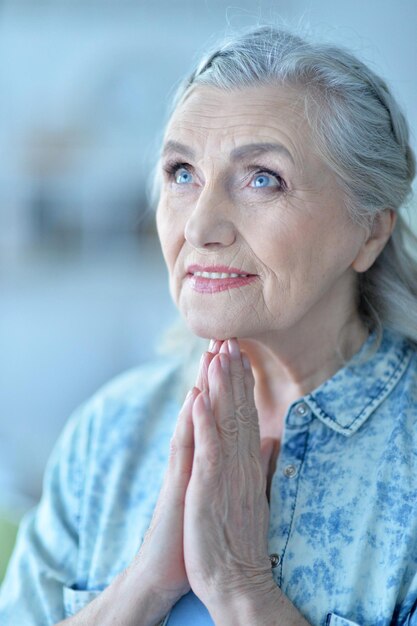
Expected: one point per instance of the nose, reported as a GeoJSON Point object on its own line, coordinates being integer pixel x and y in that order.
{"type": "Point", "coordinates": [210, 223]}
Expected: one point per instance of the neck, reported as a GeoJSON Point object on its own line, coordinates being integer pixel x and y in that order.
{"type": "Point", "coordinates": [289, 365]}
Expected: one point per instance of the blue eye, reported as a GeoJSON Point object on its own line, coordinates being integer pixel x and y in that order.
{"type": "Point", "coordinates": [264, 180]}
{"type": "Point", "coordinates": [182, 176]}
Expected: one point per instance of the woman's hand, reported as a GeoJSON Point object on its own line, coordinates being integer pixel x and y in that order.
{"type": "Point", "coordinates": [226, 510]}
{"type": "Point", "coordinates": [161, 554]}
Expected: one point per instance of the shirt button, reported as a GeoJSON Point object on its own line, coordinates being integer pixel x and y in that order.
{"type": "Point", "coordinates": [275, 560]}
{"type": "Point", "coordinates": [290, 471]}
{"type": "Point", "coordinates": [301, 409]}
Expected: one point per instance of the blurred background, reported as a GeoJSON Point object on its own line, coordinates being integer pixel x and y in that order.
{"type": "Point", "coordinates": [84, 87]}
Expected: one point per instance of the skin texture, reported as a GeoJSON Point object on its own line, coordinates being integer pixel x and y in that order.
{"type": "Point", "coordinates": [292, 231]}
{"type": "Point", "coordinates": [228, 517]}
{"type": "Point", "coordinates": [209, 528]}
{"type": "Point", "coordinates": [207, 533]}
{"type": "Point", "coordinates": [297, 237]}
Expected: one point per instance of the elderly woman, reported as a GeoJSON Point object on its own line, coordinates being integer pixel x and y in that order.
{"type": "Point", "coordinates": [284, 490]}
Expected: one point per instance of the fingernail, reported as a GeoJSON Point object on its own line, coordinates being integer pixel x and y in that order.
{"type": "Point", "coordinates": [224, 361]}
{"type": "Point", "coordinates": [211, 345]}
{"type": "Point", "coordinates": [234, 350]}
{"type": "Point", "coordinates": [216, 346]}
{"type": "Point", "coordinates": [246, 362]}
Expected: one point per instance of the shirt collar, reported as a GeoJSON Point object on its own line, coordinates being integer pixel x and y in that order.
{"type": "Point", "coordinates": [346, 400]}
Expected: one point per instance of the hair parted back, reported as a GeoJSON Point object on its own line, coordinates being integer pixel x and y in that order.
{"type": "Point", "coordinates": [359, 131]}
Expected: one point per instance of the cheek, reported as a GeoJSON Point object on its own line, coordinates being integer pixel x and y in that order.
{"type": "Point", "coordinates": [277, 245]}
{"type": "Point", "coordinates": [170, 233]}
{"type": "Point", "coordinates": [302, 258]}
{"type": "Point", "coordinates": [169, 236]}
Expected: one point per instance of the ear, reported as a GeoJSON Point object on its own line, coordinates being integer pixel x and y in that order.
{"type": "Point", "coordinates": [380, 232]}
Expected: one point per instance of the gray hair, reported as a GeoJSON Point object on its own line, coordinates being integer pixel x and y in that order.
{"type": "Point", "coordinates": [360, 132]}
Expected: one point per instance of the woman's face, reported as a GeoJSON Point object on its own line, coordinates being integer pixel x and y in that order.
{"type": "Point", "coordinates": [244, 189]}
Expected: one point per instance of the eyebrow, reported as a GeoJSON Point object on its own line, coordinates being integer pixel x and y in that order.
{"type": "Point", "coordinates": [249, 149]}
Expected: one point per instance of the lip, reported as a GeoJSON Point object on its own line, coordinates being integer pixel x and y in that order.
{"type": "Point", "coordinates": [217, 268]}
{"type": "Point", "coordinates": [214, 285]}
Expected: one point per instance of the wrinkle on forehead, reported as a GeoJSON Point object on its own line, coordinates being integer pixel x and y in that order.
{"type": "Point", "coordinates": [213, 122]}
{"type": "Point", "coordinates": [211, 116]}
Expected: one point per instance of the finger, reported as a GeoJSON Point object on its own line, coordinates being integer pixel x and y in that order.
{"type": "Point", "coordinates": [249, 382]}
{"type": "Point", "coordinates": [202, 378]}
{"type": "Point", "coordinates": [183, 428]}
{"type": "Point", "coordinates": [207, 453]}
{"type": "Point", "coordinates": [246, 413]}
{"type": "Point", "coordinates": [237, 374]}
{"type": "Point", "coordinates": [222, 402]}
{"type": "Point", "coordinates": [181, 451]}
{"type": "Point", "coordinates": [214, 346]}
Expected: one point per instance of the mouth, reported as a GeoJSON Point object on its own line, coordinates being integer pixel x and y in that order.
{"type": "Point", "coordinates": [217, 278]}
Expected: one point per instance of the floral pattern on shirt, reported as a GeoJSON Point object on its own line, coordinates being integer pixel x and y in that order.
{"type": "Point", "coordinates": [343, 497]}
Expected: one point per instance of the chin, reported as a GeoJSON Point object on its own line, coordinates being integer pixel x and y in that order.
{"type": "Point", "coordinates": [213, 329]}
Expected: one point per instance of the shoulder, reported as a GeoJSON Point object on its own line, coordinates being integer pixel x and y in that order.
{"type": "Point", "coordinates": [406, 389]}
{"type": "Point", "coordinates": [149, 386]}
{"type": "Point", "coordinates": [397, 414]}
{"type": "Point", "coordinates": [397, 374]}
{"type": "Point", "coordinates": [404, 400]}
{"type": "Point", "coordinates": [137, 386]}
{"type": "Point", "coordinates": [392, 371]}
{"type": "Point", "coordinates": [129, 403]}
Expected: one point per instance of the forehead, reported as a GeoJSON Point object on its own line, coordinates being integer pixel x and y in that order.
{"type": "Point", "coordinates": [209, 115]}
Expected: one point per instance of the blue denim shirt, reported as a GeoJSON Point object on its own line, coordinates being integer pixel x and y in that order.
{"type": "Point", "coordinates": [343, 497]}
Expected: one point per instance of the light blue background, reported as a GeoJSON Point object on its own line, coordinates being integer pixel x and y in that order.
{"type": "Point", "coordinates": [96, 77]}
